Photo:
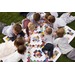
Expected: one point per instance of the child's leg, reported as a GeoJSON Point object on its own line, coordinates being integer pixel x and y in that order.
{"type": "Point", "coordinates": [71, 55]}
{"type": "Point", "coordinates": [67, 17]}
{"type": "Point", "coordinates": [50, 52]}
{"type": "Point", "coordinates": [71, 18]}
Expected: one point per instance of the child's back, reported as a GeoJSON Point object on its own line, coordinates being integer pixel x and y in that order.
{"type": "Point", "coordinates": [63, 45]}
{"type": "Point", "coordinates": [48, 36]}
{"type": "Point", "coordinates": [62, 42]}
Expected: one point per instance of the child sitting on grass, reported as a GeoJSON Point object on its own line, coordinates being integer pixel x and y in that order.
{"type": "Point", "coordinates": [13, 31]}
{"type": "Point", "coordinates": [63, 44]}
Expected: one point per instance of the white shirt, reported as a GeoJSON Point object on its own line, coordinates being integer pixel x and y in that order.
{"type": "Point", "coordinates": [48, 39]}
{"type": "Point", "coordinates": [7, 30]}
{"type": "Point", "coordinates": [59, 22]}
{"type": "Point", "coordinates": [7, 48]}
{"type": "Point", "coordinates": [30, 16]}
{"type": "Point", "coordinates": [67, 17]}
{"type": "Point", "coordinates": [55, 14]}
{"type": "Point", "coordinates": [63, 45]}
{"type": "Point", "coordinates": [14, 57]}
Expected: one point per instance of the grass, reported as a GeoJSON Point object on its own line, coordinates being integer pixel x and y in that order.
{"type": "Point", "coordinates": [9, 17]}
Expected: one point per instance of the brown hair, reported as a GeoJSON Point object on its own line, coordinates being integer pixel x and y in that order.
{"type": "Point", "coordinates": [21, 49]}
{"type": "Point", "coordinates": [19, 41]}
{"type": "Point", "coordinates": [48, 30]}
{"type": "Point", "coordinates": [36, 16]}
{"type": "Point", "coordinates": [60, 32]}
{"type": "Point", "coordinates": [47, 14]}
{"type": "Point", "coordinates": [17, 27]}
{"type": "Point", "coordinates": [51, 18]}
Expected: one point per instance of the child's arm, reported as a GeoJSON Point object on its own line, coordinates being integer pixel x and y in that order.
{"type": "Point", "coordinates": [7, 30]}
{"type": "Point", "coordinates": [55, 42]}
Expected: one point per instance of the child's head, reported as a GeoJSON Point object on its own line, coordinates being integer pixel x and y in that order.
{"type": "Point", "coordinates": [51, 19]}
{"type": "Point", "coordinates": [19, 41]}
{"type": "Point", "coordinates": [60, 32]}
{"type": "Point", "coordinates": [31, 26]}
{"type": "Point", "coordinates": [21, 49]}
{"type": "Point", "coordinates": [36, 17]}
{"type": "Point", "coordinates": [47, 14]}
{"type": "Point", "coordinates": [17, 29]}
{"type": "Point", "coordinates": [48, 30]}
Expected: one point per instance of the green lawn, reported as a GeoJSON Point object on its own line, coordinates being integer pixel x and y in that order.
{"type": "Point", "coordinates": [7, 18]}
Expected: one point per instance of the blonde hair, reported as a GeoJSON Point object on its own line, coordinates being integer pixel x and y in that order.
{"type": "Point", "coordinates": [60, 32]}
{"type": "Point", "coordinates": [48, 30]}
{"type": "Point", "coordinates": [31, 26]}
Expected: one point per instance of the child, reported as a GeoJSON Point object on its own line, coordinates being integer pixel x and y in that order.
{"type": "Point", "coordinates": [48, 39]}
{"type": "Point", "coordinates": [55, 23]}
{"type": "Point", "coordinates": [63, 44]}
{"type": "Point", "coordinates": [48, 36]}
{"type": "Point", "coordinates": [63, 20]}
{"type": "Point", "coordinates": [36, 18]}
{"type": "Point", "coordinates": [25, 26]}
{"type": "Point", "coordinates": [67, 17]}
{"type": "Point", "coordinates": [50, 20]}
{"type": "Point", "coordinates": [9, 47]}
{"type": "Point", "coordinates": [28, 25]}
{"type": "Point", "coordinates": [13, 31]}
{"type": "Point", "coordinates": [16, 56]}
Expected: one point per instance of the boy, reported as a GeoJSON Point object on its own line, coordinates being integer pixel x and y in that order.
{"type": "Point", "coordinates": [13, 31]}
{"type": "Point", "coordinates": [63, 44]}
{"type": "Point", "coordinates": [48, 36]}
{"type": "Point", "coordinates": [16, 56]}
